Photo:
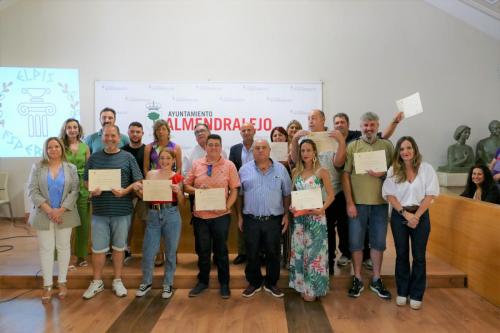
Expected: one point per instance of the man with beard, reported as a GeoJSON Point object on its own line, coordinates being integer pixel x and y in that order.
{"type": "Point", "coordinates": [94, 140]}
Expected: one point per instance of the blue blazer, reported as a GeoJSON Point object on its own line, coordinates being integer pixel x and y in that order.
{"type": "Point", "coordinates": [235, 155]}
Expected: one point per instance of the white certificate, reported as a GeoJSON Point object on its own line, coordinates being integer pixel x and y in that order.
{"type": "Point", "coordinates": [157, 190]}
{"type": "Point", "coordinates": [210, 199]}
{"type": "Point", "coordinates": [373, 160]}
{"type": "Point", "coordinates": [323, 141]}
{"type": "Point", "coordinates": [410, 105]}
{"type": "Point", "coordinates": [279, 151]}
{"type": "Point", "coordinates": [307, 199]}
{"type": "Point", "coordinates": [104, 179]}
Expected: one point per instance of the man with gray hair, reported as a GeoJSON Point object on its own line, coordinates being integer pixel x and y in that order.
{"type": "Point", "coordinates": [365, 205]}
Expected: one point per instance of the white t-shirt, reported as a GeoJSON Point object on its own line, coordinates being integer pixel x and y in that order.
{"type": "Point", "coordinates": [412, 194]}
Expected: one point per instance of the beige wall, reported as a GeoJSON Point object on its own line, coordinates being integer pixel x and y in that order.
{"type": "Point", "coordinates": [367, 53]}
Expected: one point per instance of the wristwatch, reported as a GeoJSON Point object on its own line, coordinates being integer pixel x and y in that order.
{"type": "Point", "coordinates": [401, 211]}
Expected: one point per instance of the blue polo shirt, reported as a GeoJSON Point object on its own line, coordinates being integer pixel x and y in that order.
{"type": "Point", "coordinates": [94, 141]}
{"type": "Point", "coordinates": [263, 192]}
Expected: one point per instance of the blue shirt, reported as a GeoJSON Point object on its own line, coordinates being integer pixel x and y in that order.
{"type": "Point", "coordinates": [263, 192]}
{"type": "Point", "coordinates": [94, 141]}
{"type": "Point", "coordinates": [56, 188]}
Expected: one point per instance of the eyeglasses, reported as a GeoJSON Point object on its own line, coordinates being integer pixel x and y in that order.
{"type": "Point", "coordinates": [209, 170]}
{"type": "Point", "coordinates": [200, 131]}
{"type": "Point", "coordinates": [213, 145]}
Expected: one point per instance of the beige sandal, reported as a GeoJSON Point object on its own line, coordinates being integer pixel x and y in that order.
{"type": "Point", "coordinates": [46, 294]}
{"type": "Point", "coordinates": [63, 290]}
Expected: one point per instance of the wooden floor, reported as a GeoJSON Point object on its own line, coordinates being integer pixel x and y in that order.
{"type": "Point", "coordinates": [448, 305]}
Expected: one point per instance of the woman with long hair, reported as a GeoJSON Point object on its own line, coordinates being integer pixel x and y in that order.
{"type": "Point", "coordinates": [163, 220]}
{"type": "Point", "coordinates": [309, 249]}
{"type": "Point", "coordinates": [77, 153]}
{"type": "Point", "coordinates": [53, 190]}
{"type": "Point", "coordinates": [480, 185]}
{"type": "Point", "coordinates": [410, 187]}
{"type": "Point", "coordinates": [293, 127]}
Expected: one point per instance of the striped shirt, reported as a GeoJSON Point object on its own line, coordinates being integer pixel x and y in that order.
{"type": "Point", "coordinates": [263, 192]}
{"type": "Point", "coordinates": [107, 204]}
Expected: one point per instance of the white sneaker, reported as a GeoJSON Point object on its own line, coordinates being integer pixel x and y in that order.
{"type": "Point", "coordinates": [415, 305]}
{"type": "Point", "coordinates": [343, 261]}
{"type": "Point", "coordinates": [401, 301]}
{"type": "Point", "coordinates": [143, 289]}
{"type": "Point", "coordinates": [119, 288]}
{"type": "Point", "coordinates": [96, 286]}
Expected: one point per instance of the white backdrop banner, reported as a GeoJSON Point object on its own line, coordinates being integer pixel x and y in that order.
{"type": "Point", "coordinates": [224, 106]}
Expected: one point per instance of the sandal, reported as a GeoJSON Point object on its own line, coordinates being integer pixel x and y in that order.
{"type": "Point", "coordinates": [63, 290]}
{"type": "Point", "coordinates": [81, 262]}
{"type": "Point", "coordinates": [46, 294]}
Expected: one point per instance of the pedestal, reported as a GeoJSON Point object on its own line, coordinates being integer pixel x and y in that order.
{"type": "Point", "coordinates": [447, 179]}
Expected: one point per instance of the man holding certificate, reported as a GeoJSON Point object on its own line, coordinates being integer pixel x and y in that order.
{"type": "Point", "coordinates": [215, 181]}
{"type": "Point", "coordinates": [329, 160]}
{"type": "Point", "coordinates": [111, 206]}
{"type": "Point", "coordinates": [265, 190]}
{"type": "Point", "coordinates": [366, 165]}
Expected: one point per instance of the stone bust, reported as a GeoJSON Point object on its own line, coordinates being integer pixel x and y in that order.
{"type": "Point", "coordinates": [460, 155]}
{"type": "Point", "coordinates": [486, 148]}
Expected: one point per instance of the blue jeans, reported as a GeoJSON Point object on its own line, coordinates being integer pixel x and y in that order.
{"type": "Point", "coordinates": [410, 282]}
{"type": "Point", "coordinates": [376, 217]}
{"type": "Point", "coordinates": [167, 223]}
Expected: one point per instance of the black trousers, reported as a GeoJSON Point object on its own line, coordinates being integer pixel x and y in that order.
{"type": "Point", "coordinates": [264, 235]}
{"type": "Point", "coordinates": [212, 234]}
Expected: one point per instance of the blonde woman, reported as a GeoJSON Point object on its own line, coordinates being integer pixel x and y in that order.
{"type": "Point", "coordinates": [53, 189]}
{"type": "Point", "coordinates": [309, 250]}
{"type": "Point", "coordinates": [410, 187]}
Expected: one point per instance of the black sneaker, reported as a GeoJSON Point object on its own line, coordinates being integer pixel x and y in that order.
{"type": "Point", "coordinates": [143, 289]}
{"type": "Point", "coordinates": [357, 287]}
{"type": "Point", "coordinates": [225, 292]}
{"type": "Point", "coordinates": [274, 290]}
{"type": "Point", "coordinates": [198, 289]}
{"type": "Point", "coordinates": [379, 288]}
{"type": "Point", "coordinates": [250, 291]}
{"type": "Point", "coordinates": [167, 292]}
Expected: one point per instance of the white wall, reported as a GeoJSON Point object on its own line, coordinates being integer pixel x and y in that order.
{"type": "Point", "coordinates": [367, 53]}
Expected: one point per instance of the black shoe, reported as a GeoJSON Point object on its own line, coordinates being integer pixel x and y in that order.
{"type": "Point", "coordinates": [224, 291]}
{"type": "Point", "coordinates": [128, 256]}
{"type": "Point", "coordinates": [274, 290]}
{"type": "Point", "coordinates": [379, 288]}
{"type": "Point", "coordinates": [198, 289]}
{"type": "Point", "coordinates": [241, 258]}
{"type": "Point", "coordinates": [250, 291]}
{"type": "Point", "coordinates": [356, 288]}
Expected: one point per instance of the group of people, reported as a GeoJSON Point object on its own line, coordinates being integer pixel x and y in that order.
{"type": "Point", "coordinates": [256, 187]}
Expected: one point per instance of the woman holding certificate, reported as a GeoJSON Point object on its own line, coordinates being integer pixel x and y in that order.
{"type": "Point", "coordinates": [309, 255]}
{"type": "Point", "coordinates": [163, 220]}
{"type": "Point", "coordinates": [53, 189]}
{"type": "Point", "coordinates": [410, 187]}
{"type": "Point", "coordinates": [77, 152]}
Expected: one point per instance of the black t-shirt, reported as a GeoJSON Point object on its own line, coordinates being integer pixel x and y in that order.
{"type": "Point", "coordinates": [138, 153]}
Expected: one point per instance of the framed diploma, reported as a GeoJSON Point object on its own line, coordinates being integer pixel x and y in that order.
{"type": "Point", "coordinates": [307, 199]}
{"type": "Point", "coordinates": [373, 160]}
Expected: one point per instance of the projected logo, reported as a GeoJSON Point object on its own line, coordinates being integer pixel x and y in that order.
{"type": "Point", "coordinates": [34, 104]}
{"type": "Point", "coordinates": [37, 111]}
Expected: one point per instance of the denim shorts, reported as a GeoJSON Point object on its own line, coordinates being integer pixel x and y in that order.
{"type": "Point", "coordinates": [110, 229]}
{"type": "Point", "coordinates": [371, 218]}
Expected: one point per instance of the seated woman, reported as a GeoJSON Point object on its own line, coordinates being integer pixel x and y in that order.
{"type": "Point", "coordinates": [481, 186]}
{"type": "Point", "coordinates": [53, 189]}
{"type": "Point", "coordinates": [460, 155]}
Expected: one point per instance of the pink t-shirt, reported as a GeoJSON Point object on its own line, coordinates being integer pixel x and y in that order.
{"type": "Point", "coordinates": [224, 175]}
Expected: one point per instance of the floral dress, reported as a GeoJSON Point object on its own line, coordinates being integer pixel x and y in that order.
{"type": "Point", "coordinates": [309, 249]}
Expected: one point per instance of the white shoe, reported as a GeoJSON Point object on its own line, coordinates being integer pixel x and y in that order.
{"type": "Point", "coordinates": [401, 301]}
{"type": "Point", "coordinates": [343, 261]}
{"type": "Point", "coordinates": [119, 288]}
{"type": "Point", "coordinates": [167, 292]}
{"type": "Point", "coordinates": [415, 305]}
{"type": "Point", "coordinates": [96, 286]}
